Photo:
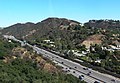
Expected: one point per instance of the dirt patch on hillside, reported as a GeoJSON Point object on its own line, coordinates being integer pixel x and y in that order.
{"type": "Point", "coordinates": [94, 39]}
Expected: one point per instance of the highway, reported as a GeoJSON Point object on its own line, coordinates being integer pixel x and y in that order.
{"type": "Point", "coordinates": [79, 68]}
{"type": "Point", "coordinates": [74, 68]}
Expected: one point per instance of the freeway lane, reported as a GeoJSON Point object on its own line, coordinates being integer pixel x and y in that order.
{"type": "Point", "coordinates": [75, 73]}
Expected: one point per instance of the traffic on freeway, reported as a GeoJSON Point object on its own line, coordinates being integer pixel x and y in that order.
{"type": "Point", "coordinates": [70, 67]}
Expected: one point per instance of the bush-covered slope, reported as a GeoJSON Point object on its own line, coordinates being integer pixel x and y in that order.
{"type": "Point", "coordinates": [18, 65]}
{"type": "Point", "coordinates": [25, 71]}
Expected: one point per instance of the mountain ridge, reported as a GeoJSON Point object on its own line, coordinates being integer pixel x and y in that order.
{"type": "Point", "coordinates": [48, 24]}
{"type": "Point", "coordinates": [58, 28]}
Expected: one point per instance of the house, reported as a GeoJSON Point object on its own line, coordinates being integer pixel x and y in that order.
{"type": "Point", "coordinates": [117, 43]}
{"type": "Point", "coordinates": [52, 45]}
{"type": "Point", "coordinates": [113, 47]}
{"type": "Point", "coordinates": [9, 41]}
{"type": "Point", "coordinates": [98, 61]}
{"type": "Point", "coordinates": [104, 48]}
{"type": "Point", "coordinates": [47, 41]}
{"type": "Point", "coordinates": [51, 42]}
{"type": "Point", "coordinates": [78, 54]}
{"type": "Point", "coordinates": [84, 52]}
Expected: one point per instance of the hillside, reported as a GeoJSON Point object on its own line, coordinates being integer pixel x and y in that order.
{"type": "Point", "coordinates": [20, 65]}
{"type": "Point", "coordinates": [41, 28]}
{"type": "Point", "coordinates": [60, 30]}
{"type": "Point", "coordinates": [66, 34]}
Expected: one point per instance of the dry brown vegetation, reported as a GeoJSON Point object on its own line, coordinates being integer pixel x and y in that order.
{"type": "Point", "coordinates": [94, 39]}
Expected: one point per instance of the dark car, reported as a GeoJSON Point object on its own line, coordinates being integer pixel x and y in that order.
{"type": "Point", "coordinates": [89, 71]}
{"type": "Point", "coordinates": [81, 77]}
{"type": "Point", "coordinates": [88, 74]}
{"type": "Point", "coordinates": [73, 71]}
{"type": "Point", "coordinates": [113, 80]}
{"type": "Point", "coordinates": [75, 67]}
{"type": "Point", "coordinates": [85, 68]}
{"type": "Point", "coordinates": [70, 68]}
{"type": "Point", "coordinates": [96, 82]}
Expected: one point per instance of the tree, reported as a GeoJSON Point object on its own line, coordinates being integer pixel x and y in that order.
{"type": "Point", "coordinates": [117, 53]}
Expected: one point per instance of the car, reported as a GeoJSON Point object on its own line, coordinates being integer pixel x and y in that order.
{"type": "Point", "coordinates": [62, 67]}
{"type": "Point", "coordinates": [113, 80]}
{"type": "Point", "coordinates": [73, 71]}
{"type": "Point", "coordinates": [96, 82]}
{"type": "Point", "coordinates": [89, 71]}
{"type": "Point", "coordinates": [82, 75]}
{"type": "Point", "coordinates": [88, 74]}
{"type": "Point", "coordinates": [66, 71]}
{"type": "Point", "coordinates": [70, 68]}
{"type": "Point", "coordinates": [85, 68]}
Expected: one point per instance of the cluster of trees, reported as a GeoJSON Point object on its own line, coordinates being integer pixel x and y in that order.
{"type": "Point", "coordinates": [103, 23]}
{"type": "Point", "coordinates": [109, 60]}
{"type": "Point", "coordinates": [26, 71]}
{"type": "Point", "coordinates": [5, 48]}
{"type": "Point", "coordinates": [97, 52]}
{"type": "Point", "coordinates": [112, 62]}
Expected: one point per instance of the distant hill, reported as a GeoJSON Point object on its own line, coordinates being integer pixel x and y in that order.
{"type": "Point", "coordinates": [103, 24]}
{"type": "Point", "coordinates": [52, 25]}
{"type": "Point", "coordinates": [56, 29]}
{"type": "Point", "coordinates": [67, 34]}
{"type": "Point", "coordinates": [18, 29]}
{"type": "Point", "coordinates": [45, 27]}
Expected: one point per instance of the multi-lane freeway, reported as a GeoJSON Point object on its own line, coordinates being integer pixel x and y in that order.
{"type": "Point", "coordinates": [74, 68]}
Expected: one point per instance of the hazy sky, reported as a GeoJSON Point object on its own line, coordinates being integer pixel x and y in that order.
{"type": "Point", "coordinates": [14, 11]}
